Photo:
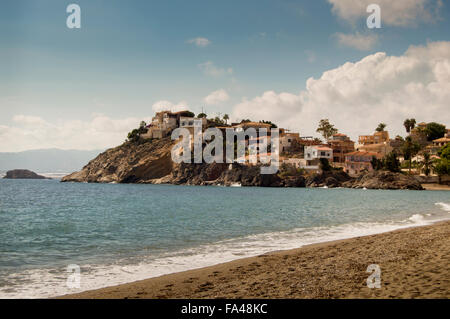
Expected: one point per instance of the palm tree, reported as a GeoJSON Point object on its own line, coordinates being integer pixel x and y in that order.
{"type": "Point", "coordinates": [409, 124]}
{"type": "Point", "coordinates": [226, 118]}
{"type": "Point", "coordinates": [412, 123]}
{"type": "Point", "coordinates": [381, 127]}
{"type": "Point", "coordinates": [426, 164]}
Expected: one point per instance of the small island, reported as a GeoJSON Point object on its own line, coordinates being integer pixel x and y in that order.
{"type": "Point", "coordinates": [23, 174]}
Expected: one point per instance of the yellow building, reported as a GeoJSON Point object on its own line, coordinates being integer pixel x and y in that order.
{"type": "Point", "coordinates": [376, 138]}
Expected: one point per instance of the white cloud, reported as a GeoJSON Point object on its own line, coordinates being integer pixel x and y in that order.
{"type": "Point", "coordinates": [200, 42]}
{"type": "Point", "coordinates": [358, 96]}
{"type": "Point", "coordinates": [210, 69]}
{"type": "Point", "coordinates": [217, 97]}
{"type": "Point", "coordinates": [169, 106]}
{"type": "Point", "coordinates": [393, 12]}
{"type": "Point", "coordinates": [32, 132]}
{"type": "Point", "coordinates": [357, 41]}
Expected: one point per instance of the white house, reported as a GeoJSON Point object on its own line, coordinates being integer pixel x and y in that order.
{"type": "Point", "coordinates": [315, 152]}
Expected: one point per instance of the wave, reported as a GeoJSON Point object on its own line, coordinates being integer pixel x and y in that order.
{"type": "Point", "coordinates": [444, 206]}
{"type": "Point", "coordinates": [50, 282]}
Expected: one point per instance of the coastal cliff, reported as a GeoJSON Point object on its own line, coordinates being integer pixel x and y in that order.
{"type": "Point", "coordinates": [128, 163]}
{"type": "Point", "coordinates": [149, 162]}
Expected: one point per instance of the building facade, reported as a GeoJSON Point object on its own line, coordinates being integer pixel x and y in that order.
{"type": "Point", "coordinates": [313, 154]}
{"type": "Point", "coordinates": [376, 138]}
{"type": "Point", "coordinates": [357, 162]}
{"type": "Point", "coordinates": [341, 145]}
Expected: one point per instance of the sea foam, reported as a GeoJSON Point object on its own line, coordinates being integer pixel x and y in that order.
{"type": "Point", "coordinates": [42, 283]}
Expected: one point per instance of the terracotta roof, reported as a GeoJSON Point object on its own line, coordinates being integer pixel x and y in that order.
{"type": "Point", "coordinates": [442, 139]}
{"type": "Point", "coordinates": [339, 134]}
{"type": "Point", "coordinates": [322, 148]}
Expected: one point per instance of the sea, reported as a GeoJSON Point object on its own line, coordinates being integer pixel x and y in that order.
{"type": "Point", "coordinates": [116, 233]}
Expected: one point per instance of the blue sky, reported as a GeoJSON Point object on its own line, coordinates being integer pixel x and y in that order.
{"type": "Point", "coordinates": [128, 55]}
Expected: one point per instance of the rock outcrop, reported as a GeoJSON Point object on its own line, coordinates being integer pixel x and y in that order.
{"type": "Point", "coordinates": [384, 180]}
{"type": "Point", "coordinates": [227, 175]}
{"type": "Point", "coordinates": [128, 163]}
{"type": "Point", "coordinates": [23, 174]}
{"type": "Point", "coordinates": [249, 176]}
{"type": "Point", "coordinates": [329, 179]}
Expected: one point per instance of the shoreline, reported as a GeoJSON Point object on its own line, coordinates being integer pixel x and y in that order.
{"type": "Point", "coordinates": [436, 187]}
{"type": "Point", "coordinates": [414, 263]}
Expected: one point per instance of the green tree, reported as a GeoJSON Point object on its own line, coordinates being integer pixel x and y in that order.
{"type": "Point", "coordinates": [325, 165]}
{"type": "Point", "coordinates": [326, 129]}
{"type": "Point", "coordinates": [434, 131]}
{"type": "Point", "coordinates": [444, 152]}
{"type": "Point", "coordinates": [409, 124]}
{"type": "Point", "coordinates": [218, 120]}
{"type": "Point", "coordinates": [380, 127]}
{"type": "Point", "coordinates": [201, 115]}
{"type": "Point", "coordinates": [410, 149]}
{"type": "Point", "coordinates": [226, 117]}
{"type": "Point", "coordinates": [135, 134]}
{"type": "Point", "coordinates": [376, 163]}
{"type": "Point", "coordinates": [391, 162]}
{"type": "Point", "coordinates": [317, 141]}
{"type": "Point", "coordinates": [441, 168]}
{"type": "Point", "coordinates": [426, 164]}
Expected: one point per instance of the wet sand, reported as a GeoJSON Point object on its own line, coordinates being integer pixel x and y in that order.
{"type": "Point", "coordinates": [414, 263]}
{"type": "Point", "coordinates": [436, 187]}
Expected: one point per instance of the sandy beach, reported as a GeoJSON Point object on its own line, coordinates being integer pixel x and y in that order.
{"type": "Point", "coordinates": [414, 263]}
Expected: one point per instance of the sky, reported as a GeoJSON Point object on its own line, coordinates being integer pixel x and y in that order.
{"type": "Point", "coordinates": [291, 62]}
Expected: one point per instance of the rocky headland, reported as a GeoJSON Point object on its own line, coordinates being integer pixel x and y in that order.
{"type": "Point", "coordinates": [149, 162]}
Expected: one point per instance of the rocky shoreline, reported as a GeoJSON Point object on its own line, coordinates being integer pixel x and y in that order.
{"type": "Point", "coordinates": [150, 163]}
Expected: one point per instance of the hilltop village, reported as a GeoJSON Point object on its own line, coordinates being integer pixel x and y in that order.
{"type": "Point", "coordinates": [419, 153]}
{"type": "Point", "coordinates": [375, 161]}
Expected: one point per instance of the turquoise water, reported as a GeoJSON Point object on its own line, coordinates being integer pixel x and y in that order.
{"type": "Point", "coordinates": [122, 233]}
